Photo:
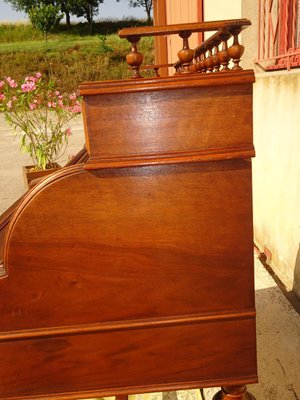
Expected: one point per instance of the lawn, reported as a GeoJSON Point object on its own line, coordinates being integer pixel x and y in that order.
{"type": "Point", "coordinates": [71, 56]}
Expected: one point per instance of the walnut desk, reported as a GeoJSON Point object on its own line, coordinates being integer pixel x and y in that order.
{"type": "Point", "coordinates": [133, 272]}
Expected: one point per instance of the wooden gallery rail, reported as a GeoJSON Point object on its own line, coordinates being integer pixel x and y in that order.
{"type": "Point", "coordinates": [132, 271]}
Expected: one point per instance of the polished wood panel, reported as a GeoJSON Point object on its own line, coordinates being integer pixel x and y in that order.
{"type": "Point", "coordinates": [129, 362]}
{"type": "Point", "coordinates": [150, 124]}
{"type": "Point", "coordinates": [148, 230]}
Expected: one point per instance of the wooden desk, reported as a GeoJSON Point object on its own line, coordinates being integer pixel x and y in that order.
{"type": "Point", "coordinates": [134, 272]}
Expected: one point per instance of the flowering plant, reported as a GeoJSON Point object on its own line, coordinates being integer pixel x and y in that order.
{"type": "Point", "coordinates": [40, 115]}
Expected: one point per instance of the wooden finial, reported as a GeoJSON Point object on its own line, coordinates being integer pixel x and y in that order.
{"type": "Point", "coordinates": [134, 58]}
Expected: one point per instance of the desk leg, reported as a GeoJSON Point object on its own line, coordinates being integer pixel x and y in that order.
{"type": "Point", "coordinates": [233, 393]}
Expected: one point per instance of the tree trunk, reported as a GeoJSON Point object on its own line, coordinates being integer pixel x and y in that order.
{"type": "Point", "coordinates": [148, 16]}
{"type": "Point", "coordinates": [89, 17]}
{"type": "Point", "coordinates": [148, 11]}
{"type": "Point", "coordinates": [68, 18]}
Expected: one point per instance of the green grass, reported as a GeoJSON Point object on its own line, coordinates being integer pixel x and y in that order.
{"type": "Point", "coordinates": [21, 32]}
{"type": "Point", "coordinates": [52, 45]}
{"type": "Point", "coordinates": [69, 56]}
{"type": "Point", "coordinates": [18, 32]}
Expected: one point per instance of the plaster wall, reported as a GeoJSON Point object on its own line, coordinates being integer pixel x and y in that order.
{"type": "Point", "coordinates": [249, 36]}
{"type": "Point", "coordinates": [220, 9]}
{"type": "Point", "coordinates": [276, 172]}
{"type": "Point", "coordinates": [276, 168]}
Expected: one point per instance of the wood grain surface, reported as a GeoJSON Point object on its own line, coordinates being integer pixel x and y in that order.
{"type": "Point", "coordinates": [131, 277]}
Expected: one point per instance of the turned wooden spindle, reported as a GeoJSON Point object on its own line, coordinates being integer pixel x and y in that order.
{"type": "Point", "coordinates": [209, 62]}
{"type": "Point", "coordinates": [203, 66]}
{"type": "Point", "coordinates": [197, 63]}
{"type": "Point", "coordinates": [236, 50]}
{"type": "Point", "coordinates": [186, 55]}
{"type": "Point", "coordinates": [199, 60]}
{"type": "Point", "coordinates": [233, 393]}
{"type": "Point", "coordinates": [134, 58]}
{"type": "Point", "coordinates": [194, 67]}
{"type": "Point", "coordinates": [204, 69]}
{"type": "Point", "coordinates": [216, 60]}
{"type": "Point", "coordinates": [223, 55]}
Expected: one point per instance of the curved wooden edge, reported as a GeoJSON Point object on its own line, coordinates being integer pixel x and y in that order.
{"type": "Point", "coordinates": [81, 157]}
{"type": "Point", "coordinates": [63, 172]}
{"type": "Point", "coordinates": [6, 216]}
{"type": "Point", "coordinates": [127, 33]}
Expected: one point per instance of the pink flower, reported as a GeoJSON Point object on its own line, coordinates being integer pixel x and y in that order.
{"type": "Point", "coordinates": [31, 79]}
{"type": "Point", "coordinates": [38, 75]}
{"type": "Point", "coordinates": [49, 104]}
{"type": "Point", "coordinates": [14, 98]}
{"type": "Point", "coordinates": [29, 86]}
{"type": "Point", "coordinates": [11, 82]}
{"type": "Point", "coordinates": [9, 104]}
{"type": "Point", "coordinates": [76, 108]}
{"type": "Point", "coordinates": [2, 96]}
{"type": "Point", "coordinates": [57, 93]}
{"type": "Point", "coordinates": [68, 132]}
{"type": "Point", "coordinates": [32, 106]}
{"type": "Point", "coordinates": [72, 96]}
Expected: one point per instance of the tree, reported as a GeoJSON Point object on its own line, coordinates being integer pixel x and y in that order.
{"type": "Point", "coordinates": [147, 4]}
{"type": "Point", "coordinates": [81, 8]}
{"type": "Point", "coordinates": [65, 8]}
{"type": "Point", "coordinates": [45, 17]}
{"type": "Point", "coordinates": [85, 8]}
{"type": "Point", "coordinates": [26, 5]}
{"type": "Point", "coordinates": [22, 5]}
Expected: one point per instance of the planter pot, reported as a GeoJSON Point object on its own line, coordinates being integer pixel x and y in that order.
{"type": "Point", "coordinates": [30, 174]}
